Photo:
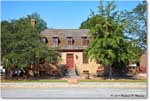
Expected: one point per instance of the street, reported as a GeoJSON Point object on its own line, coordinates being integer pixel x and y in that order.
{"type": "Point", "coordinates": [74, 92]}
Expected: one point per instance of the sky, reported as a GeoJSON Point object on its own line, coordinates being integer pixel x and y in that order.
{"type": "Point", "coordinates": [57, 14]}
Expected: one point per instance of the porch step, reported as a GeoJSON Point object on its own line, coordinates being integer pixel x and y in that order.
{"type": "Point", "coordinates": [72, 73]}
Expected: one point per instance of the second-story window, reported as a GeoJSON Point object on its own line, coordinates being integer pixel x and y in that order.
{"type": "Point", "coordinates": [70, 40]}
{"type": "Point", "coordinates": [85, 41]}
{"type": "Point", "coordinates": [55, 41]}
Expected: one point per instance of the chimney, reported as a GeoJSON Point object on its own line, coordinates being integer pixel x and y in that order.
{"type": "Point", "coordinates": [33, 22]}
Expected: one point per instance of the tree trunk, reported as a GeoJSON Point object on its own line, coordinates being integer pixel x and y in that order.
{"type": "Point", "coordinates": [11, 73]}
{"type": "Point", "coordinates": [110, 72]}
{"type": "Point", "coordinates": [6, 74]}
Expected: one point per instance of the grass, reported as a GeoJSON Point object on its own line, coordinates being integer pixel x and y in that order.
{"type": "Point", "coordinates": [88, 80]}
{"type": "Point", "coordinates": [50, 80]}
{"type": "Point", "coordinates": [119, 80]}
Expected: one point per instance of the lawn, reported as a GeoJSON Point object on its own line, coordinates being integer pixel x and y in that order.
{"type": "Point", "coordinates": [113, 80]}
{"type": "Point", "coordinates": [84, 80]}
{"type": "Point", "coordinates": [44, 80]}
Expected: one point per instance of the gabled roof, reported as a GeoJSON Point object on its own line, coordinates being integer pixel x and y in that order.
{"type": "Point", "coordinates": [63, 34]}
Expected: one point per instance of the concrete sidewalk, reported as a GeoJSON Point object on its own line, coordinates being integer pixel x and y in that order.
{"type": "Point", "coordinates": [80, 84]}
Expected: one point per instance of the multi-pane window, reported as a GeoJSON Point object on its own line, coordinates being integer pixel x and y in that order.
{"type": "Point", "coordinates": [85, 59]}
{"type": "Point", "coordinates": [55, 41]}
{"type": "Point", "coordinates": [70, 40]}
{"type": "Point", "coordinates": [85, 41]}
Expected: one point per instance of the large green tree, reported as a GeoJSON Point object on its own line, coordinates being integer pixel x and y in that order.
{"type": "Point", "coordinates": [108, 43]}
{"type": "Point", "coordinates": [22, 44]}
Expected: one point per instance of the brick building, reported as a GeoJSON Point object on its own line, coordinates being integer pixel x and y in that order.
{"type": "Point", "coordinates": [71, 43]}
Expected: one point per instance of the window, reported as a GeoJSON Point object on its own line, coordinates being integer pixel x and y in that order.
{"type": "Point", "coordinates": [70, 40]}
{"type": "Point", "coordinates": [44, 40]}
{"type": "Point", "coordinates": [85, 59]}
{"type": "Point", "coordinates": [85, 41]}
{"type": "Point", "coordinates": [55, 41]}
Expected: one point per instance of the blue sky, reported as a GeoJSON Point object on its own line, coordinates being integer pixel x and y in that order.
{"type": "Point", "coordinates": [57, 14]}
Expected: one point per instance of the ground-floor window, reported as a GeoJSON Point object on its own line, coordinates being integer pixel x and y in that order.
{"type": "Point", "coordinates": [85, 59]}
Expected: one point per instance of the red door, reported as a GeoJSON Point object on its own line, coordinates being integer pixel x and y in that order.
{"type": "Point", "coordinates": [70, 60]}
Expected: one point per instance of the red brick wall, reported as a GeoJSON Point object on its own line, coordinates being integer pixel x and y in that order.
{"type": "Point", "coordinates": [143, 62]}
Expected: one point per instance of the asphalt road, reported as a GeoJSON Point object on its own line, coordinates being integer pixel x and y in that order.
{"type": "Point", "coordinates": [73, 92]}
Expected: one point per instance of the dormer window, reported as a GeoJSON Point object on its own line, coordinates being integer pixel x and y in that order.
{"type": "Point", "coordinates": [70, 40]}
{"type": "Point", "coordinates": [55, 41]}
{"type": "Point", "coordinates": [85, 41]}
{"type": "Point", "coordinates": [44, 39]}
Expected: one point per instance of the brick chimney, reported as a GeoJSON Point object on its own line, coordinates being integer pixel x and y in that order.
{"type": "Point", "coordinates": [33, 22]}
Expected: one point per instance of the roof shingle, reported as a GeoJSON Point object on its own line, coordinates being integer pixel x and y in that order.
{"type": "Point", "coordinates": [62, 34]}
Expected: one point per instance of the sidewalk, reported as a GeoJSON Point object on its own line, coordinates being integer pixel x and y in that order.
{"type": "Point", "coordinates": [80, 84]}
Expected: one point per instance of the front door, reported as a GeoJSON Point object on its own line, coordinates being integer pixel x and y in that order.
{"type": "Point", "coordinates": [70, 61]}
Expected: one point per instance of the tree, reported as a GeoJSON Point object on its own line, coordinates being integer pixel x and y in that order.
{"type": "Point", "coordinates": [108, 44]}
{"type": "Point", "coordinates": [22, 44]}
{"type": "Point", "coordinates": [90, 22]}
{"type": "Point", "coordinates": [137, 25]}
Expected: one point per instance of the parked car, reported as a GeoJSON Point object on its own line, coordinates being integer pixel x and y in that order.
{"type": "Point", "coordinates": [2, 71]}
